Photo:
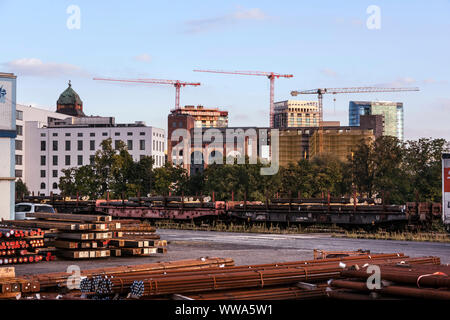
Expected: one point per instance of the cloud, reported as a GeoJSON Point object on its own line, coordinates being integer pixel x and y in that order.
{"type": "Point", "coordinates": [434, 81]}
{"type": "Point", "coordinates": [239, 15]}
{"type": "Point", "coordinates": [399, 82]}
{"type": "Point", "coordinates": [329, 73]}
{"type": "Point", "coordinates": [38, 68]}
{"type": "Point", "coordinates": [143, 58]}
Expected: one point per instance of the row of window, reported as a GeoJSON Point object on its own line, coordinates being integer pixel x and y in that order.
{"type": "Point", "coordinates": [55, 185]}
{"type": "Point", "coordinates": [91, 134]}
{"type": "Point", "coordinates": [92, 145]}
{"type": "Point", "coordinates": [67, 160]}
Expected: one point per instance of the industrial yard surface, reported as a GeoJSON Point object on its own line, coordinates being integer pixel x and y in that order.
{"type": "Point", "coordinates": [247, 249]}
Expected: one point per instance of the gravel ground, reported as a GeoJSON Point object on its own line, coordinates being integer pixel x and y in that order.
{"type": "Point", "coordinates": [248, 248]}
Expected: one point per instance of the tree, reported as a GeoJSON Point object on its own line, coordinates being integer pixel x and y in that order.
{"type": "Point", "coordinates": [423, 164]}
{"type": "Point", "coordinates": [21, 189]}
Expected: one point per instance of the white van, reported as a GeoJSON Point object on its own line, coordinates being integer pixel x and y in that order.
{"type": "Point", "coordinates": [25, 207]}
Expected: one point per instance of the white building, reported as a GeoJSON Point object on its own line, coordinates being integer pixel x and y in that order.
{"type": "Point", "coordinates": [23, 115]}
{"type": "Point", "coordinates": [73, 142]}
{"type": "Point", "coordinates": [48, 142]}
{"type": "Point", "coordinates": [7, 135]}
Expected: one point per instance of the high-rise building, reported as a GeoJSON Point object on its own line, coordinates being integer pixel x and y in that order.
{"type": "Point", "coordinates": [296, 113]}
{"type": "Point", "coordinates": [392, 113]}
{"type": "Point", "coordinates": [338, 142]}
{"type": "Point", "coordinates": [7, 136]}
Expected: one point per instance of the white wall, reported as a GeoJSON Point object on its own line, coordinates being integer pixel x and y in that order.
{"type": "Point", "coordinates": [24, 114]}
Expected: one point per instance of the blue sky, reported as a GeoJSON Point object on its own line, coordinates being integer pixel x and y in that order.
{"type": "Point", "coordinates": [322, 45]}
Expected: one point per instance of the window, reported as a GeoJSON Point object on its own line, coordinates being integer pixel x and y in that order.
{"type": "Point", "coordinates": [55, 185]}
{"type": "Point", "coordinates": [43, 160]}
{"type": "Point", "coordinates": [153, 145]}
{"type": "Point", "coordinates": [19, 160]}
{"type": "Point", "coordinates": [80, 145]}
{"type": "Point", "coordinates": [67, 134]}
{"type": "Point", "coordinates": [43, 145]}
{"type": "Point", "coordinates": [55, 160]}
{"type": "Point", "coordinates": [142, 144]}
{"type": "Point", "coordinates": [142, 133]}
{"type": "Point", "coordinates": [67, 160]}
{"type": "Point", "coordinates": [130, 144]}
{"type": "Point", "coordinates": [19, 130]}
{"type": "Point", "coordinates": [18, 173]}
{"type": "Point", "coordinates": [117, 133]}
{"type": "Point", "coordinates": [92, 134]}
{"type": "Point", "coordinates": [42, 134]}
{"type": "Point", "coordinates": [104, 134]}
{"type": "Point", "coordinates": [42, 173]}
{"type": "Point", "coordinates": [67, 145]}
{"type": "Point", "coordinates": [80, 160]}
{"type": "Point", "coordinates": [116, 144]}
{"type": "Point", "coordinates": [129, 133]}
{"type": "Point", "coordinates": [55, 134]}
{"type": "Point", "coordinates": [174, 124]}
{"type": "Point", "coordinates": [80, 134]}
{"type": "Point", "coordinates": [55, 173]}
{"type": "Point", "coordinates": [92, 145]}
{"type": "Point", "coordinates": [19, 115]}
{"type": "Point", "coordinates": [42, 185]}
{"type": "Point", "coordinates": [91, 159]}
{"type": "Point", "coordinates": [55, 145]}
{"type": "Point", "coordinates": [18, 144]}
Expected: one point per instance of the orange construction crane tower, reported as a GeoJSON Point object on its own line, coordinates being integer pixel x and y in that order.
{"type": "Point", "coordinates": [176, 83]}
{"type": "Point", "coordinates": [270, 75]}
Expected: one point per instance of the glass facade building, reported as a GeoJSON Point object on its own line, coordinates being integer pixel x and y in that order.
{"type": "Point", "coordinates": [392, 112]}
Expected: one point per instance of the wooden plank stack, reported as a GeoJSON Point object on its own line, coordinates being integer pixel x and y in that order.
{"type": "Point", "coordinates": [136, 239]}
{"type": "Point", "coordinates": [20, 245]}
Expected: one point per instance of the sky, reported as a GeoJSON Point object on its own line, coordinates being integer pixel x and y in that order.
{"type": "Point", "coordinates": [324, 44]}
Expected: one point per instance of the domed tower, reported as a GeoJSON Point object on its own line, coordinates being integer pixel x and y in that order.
{"type": "Point", "coordinates": [69, 103]}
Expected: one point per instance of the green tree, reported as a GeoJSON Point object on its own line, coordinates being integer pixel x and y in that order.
{"type": "Point", "coordinates": [21, 189]}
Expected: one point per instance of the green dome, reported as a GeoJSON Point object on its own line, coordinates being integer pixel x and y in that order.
{"type": "Point", "coordinates": [69, 97]}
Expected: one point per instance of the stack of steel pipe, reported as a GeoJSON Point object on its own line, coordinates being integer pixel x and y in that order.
{"type": "Point", "coordinates": [402, 280]}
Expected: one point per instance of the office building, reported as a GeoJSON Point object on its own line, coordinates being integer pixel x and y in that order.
{"type": "Point", "coordinates": [296, 113]}
{"type": "Point", "coordinates": [392, 115]}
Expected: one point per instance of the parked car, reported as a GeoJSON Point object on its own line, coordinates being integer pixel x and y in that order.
{"type": "Point", "coordinates": [24, 207]}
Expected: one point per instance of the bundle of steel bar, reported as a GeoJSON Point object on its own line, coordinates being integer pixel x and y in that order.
{"type": "Point", "coordinates": [135, 238]}
{"type": "Point", "coordinates": [271, 293]}
{"type": "Point", "coordinates": [401, 280]}
{"type": "Point", "coordinates": [58, 279]}
{"type": "Point", "coordinates": [20, 245]}
{"type": "Point", "coordinates": [169, 282]}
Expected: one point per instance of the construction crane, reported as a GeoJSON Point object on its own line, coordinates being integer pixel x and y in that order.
{"type": "Point", "coordinates": [321, 91]}
{"type": "Point", "coordinates": [270, 75]}
{"type": "Point", "coordinates": [176, 83]}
